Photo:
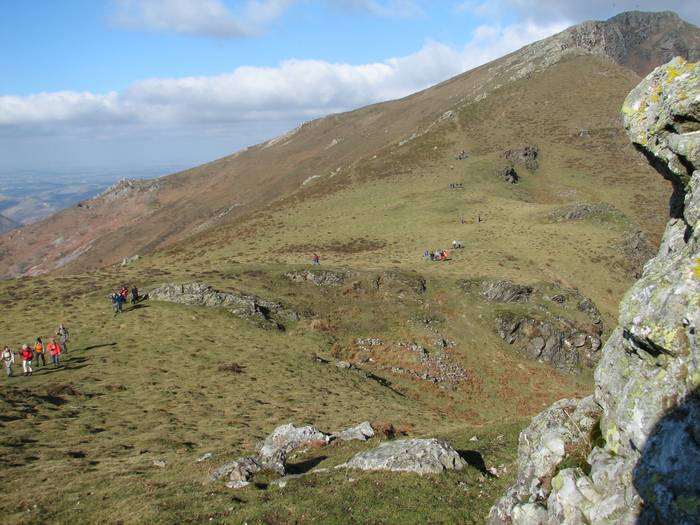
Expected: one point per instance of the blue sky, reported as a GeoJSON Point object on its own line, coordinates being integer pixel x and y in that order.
{"type": "Point", "coordinates": [140, 83]}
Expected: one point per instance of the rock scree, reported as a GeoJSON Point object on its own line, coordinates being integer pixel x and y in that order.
{"type": "Point", "coordinates": [643, 454]}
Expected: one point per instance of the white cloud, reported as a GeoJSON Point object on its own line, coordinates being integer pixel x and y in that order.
{"type": "Point", "coordinates": [296, 89]}
{"type": "Point", "coordinates": [214, 18]}
{"type": "Point", "coordinates": [575, 10]}
{"type": "Point", "coordinates": [379, 8]}
{"type": "Point", "coordinates": [196, 17]}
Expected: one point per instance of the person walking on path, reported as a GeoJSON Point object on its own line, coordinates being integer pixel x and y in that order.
{"type": "Point", "coordinates": [62, 334]}
{"type": "Point", "coordinates": [315, 260]}
{"type": "Point", "coordinates": [27, 355]}
{"type": "Point", "coordinates": [116, 302]}
{"type": "Point", "coordinates": [8, 359]}
{"type": "Point", "coordinates": [55, 350]}
{"type": "Point", "coordinates": [39, 351]}
{"type": "Point", "coordinates": [134, 295]}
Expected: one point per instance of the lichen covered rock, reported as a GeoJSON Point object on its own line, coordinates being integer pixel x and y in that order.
{"type": "Point", "coordinates": [647, 468]}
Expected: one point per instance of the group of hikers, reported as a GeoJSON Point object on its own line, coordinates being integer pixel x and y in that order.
{"type": "Point", "coordinates": [120, 297]}
{"type": "Point", "coordinates": [28, 354]}
{"type": "Point", "coordinates": [437, 255]}
{"type": "Point", "coordinates": [441, 255]}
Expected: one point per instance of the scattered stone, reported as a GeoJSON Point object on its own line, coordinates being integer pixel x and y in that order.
{"type": "Point", "coordinates": [423, 456]}
{"type": "Point", "coordinates": [205, 457]}
{"type": "Point", "coordinates": [435, 367]}
{"type": "Point", "coordinates": [364, 342]}
{"type": "Point", "coordinates": [474, 438]}
{"type": "Point", "coordinates": [128, 260]}
{"type": "Point", "coordinates": [160, 463]}
{"type": "Point", "coordinates": [361, 432]}
{"type": "Point", "coordinates": [343, 364]}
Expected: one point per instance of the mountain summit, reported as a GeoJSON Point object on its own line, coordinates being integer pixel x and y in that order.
{"type": "Point", "coordinates": [585, 71]}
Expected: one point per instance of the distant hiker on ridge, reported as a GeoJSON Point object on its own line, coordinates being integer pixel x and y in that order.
{"type": "Point", "coordinates": [8, 359]}
{"type": "Point", "coordinates": [315, 260]}
{"type": "Point", "coordinates": [134, 295]}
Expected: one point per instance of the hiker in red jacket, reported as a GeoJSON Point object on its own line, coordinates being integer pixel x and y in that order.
{"type": "Point", "coordinates": [55, 350]}
{"type": "Point", "coordinates": [27, 355]}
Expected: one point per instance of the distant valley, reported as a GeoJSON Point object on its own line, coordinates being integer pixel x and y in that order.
{"type": "Point", "coordinates": [30, 195]}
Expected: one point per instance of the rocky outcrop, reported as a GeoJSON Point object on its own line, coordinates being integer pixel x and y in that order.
{"type": "Point", "coordinates": [646, 467]}
{"type": "Point", "coordinates": [547, 323]}
{"type": "Point", "coordinates": [317, 277]}
{"type": "Point", "coordinates": [509, 175]}
{"type": "Point", "coordinates": [503, 291]}
{"type": "Point", "coordinates": [526, 156]}
{"type": "Point", "coordinates": [267, 314]}
{"type": "Point", "coordinates": [556, 342]}
{"type": "Point", "coordinates": [601, 212]}
{"type": "Point", "coordinates": [422, 456]}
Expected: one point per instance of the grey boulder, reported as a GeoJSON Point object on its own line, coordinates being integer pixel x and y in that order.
{"type": "Point", "coordinates": [422, 456]}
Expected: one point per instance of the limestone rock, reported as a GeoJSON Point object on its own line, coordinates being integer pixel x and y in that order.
{"type": "Point", "coordinates": [555, 341]}
{"type": "Point", "coordinates": [288, 437]}
{"type": "Point", "coordinates": [317, 277]}
{"type": "Point", "coordinates": [423, 456]}
{"type": "Point", "coordinates": [502, 291]}
{"type": "Point", "coordinates": [526, 156]}
{"type": "Point", "coordinates": [647, 470]}
{"type": "Point", "coordinates": [247, 306]}
{"type": "Point", "coordinates": [129, 260]}
{"type": "Point", "coordinates": [361, 432]}
{"type": "Point", "coordinates": [557, 326]}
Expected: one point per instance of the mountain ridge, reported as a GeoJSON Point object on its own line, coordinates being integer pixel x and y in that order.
{"type": "Point", "coordinates": [155, 213]}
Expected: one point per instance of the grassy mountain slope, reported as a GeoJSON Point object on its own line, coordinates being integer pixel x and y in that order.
{"type": "Point", "coordinates": [138, 217]}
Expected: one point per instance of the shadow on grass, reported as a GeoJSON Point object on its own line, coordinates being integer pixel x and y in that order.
{"type": "Point", "coordinates": [384, 382]}
{"type": "Point", "coordinates": [92, 347]}
{"type": "Point", "coordinates": [476, 460]}
{"type": "Point", "coordinates": [136, 307]}
{"type": "Point", "coordinates": [304, 466]}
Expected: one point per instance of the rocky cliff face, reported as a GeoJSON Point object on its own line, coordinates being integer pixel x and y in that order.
{"type": "Point", "coordinates": [631, 452]}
